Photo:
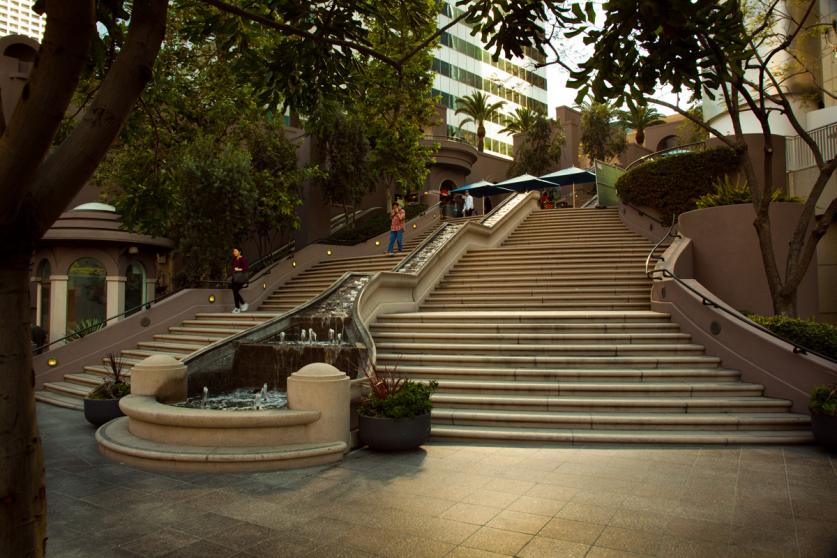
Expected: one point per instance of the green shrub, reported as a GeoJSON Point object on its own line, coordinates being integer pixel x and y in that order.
{"type": "Point", "coordinates": [824, 400]}
{"type": "Point", "coordinates": [816, 336]}
{"type": "Point", "coordinates": [77, 330]}
{"type": "Point", "coordinates": [729, 193]}
{"type": "Point", "coordinates": [672, 184]}
{"type": "Point", "coordinates": [371, 225]}
{"type": "Point", "coordinates": [393, 396]}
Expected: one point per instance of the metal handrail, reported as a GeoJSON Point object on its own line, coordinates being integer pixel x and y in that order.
{"type": "Point", "coordinates": [706, 301]}
{"type": "Point", "coordinates": [664, 152]}
{"type": "Point", "coordinates": [645, 214]}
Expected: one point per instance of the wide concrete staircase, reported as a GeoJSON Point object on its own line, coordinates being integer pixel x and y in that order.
{"type": "Point", "coordinates": [206, 328]}
{"type": "Point", "coordinates": [550, 338]}
{"type": "Point", "coordinates": [180, 341]}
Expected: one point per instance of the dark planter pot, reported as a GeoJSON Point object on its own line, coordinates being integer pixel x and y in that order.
{"type": "Point", "coordinates": [825, 430]}
{"type": "Point", "coordinates": [99, 411]}
{"type": "Point", "coordinates": [386, 434]}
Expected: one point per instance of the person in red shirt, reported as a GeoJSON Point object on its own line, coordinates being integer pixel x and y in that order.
{"type": "Point", "coordinates": [396, 229]}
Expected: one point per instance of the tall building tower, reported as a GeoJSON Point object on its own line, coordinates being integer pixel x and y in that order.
{"type": "Point", "coordinates": [17, 18]}
{"type": "Point", "coordinates": [463, 66]}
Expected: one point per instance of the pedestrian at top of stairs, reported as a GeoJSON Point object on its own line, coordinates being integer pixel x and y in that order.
{"type": "Point", "coordinates": [396, 229]}
{"type": "Point", "coordinates": [468, 206]}
{"type": "Point", "coordinates": [240, 265]}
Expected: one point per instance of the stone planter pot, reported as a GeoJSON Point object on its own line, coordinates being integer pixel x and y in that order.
{"type": "Point", "coordinates": [99, 411]}
{"type": "Point", "coordinates": [825, 430]}
{"type": "Point", "coordinates": [386, 434]}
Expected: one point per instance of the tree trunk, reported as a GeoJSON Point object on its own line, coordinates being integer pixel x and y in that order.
{"type": "Point", "coordinates": [481, 137]}
{"type": "Point", "coordinates": [22, 492]}
{"type": "Point", "coordinates": [640, 136]}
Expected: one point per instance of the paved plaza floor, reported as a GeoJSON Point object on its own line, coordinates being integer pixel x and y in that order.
{"type": "Point", "coordinates": [459, 500]}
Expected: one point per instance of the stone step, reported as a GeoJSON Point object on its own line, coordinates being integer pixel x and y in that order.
{"type": "Point", "coordinates": [252, 316]}
{"type": "Point", "coordinates": [631, 280]}
{"type": "Point", "coordinates": [624, 403]}
{"type": "Point", "coordinates": [529, 338]}
{"type": "Point", "coordinates": [542, 373]}
{"type": "Point", "coordinates": [215, 332]}
{"type": "Point", "coordinates": [707, 437]}
{"type": "Point", "coordinates": [572, 248]}
{"type": "Point", "coordinates": [67, 389]}
{"type": "Point", "coordinates": [522, 329]}
{"type": "Point", "coordinates": [103, 370]}
{"type": "Point", "coordinates": [591, 349]}
{"type": "Point", "coordinates": [539, 360]}
{"type": "Point", "coordinates": [83, 379]}
{"type": "Point", "coordinates": [539, 298]}
{"type": "Point", "coordinates": [59, 400]}
{"type": "Point", "coordinates": [501, 293]}
{"type": "Point", "coordinates": [620, 421]}
{"type": "Point", "coordinates": [599, 389]}
{"type": "Point", "coordinates": [531, 317]}
{"type": "Point", "coordinates": [202, 339]}
{"type": "Point", "coordinates": [141, 354]}
{"type": "Point", "coordinates": [551, 269]}
{"type": "Point", "coordinates": [184, 348]}
{"type": "Point", "coordinates": [549, 263]}
{"type": "Point", "coordinates": [233, 322]}
{"type": "Point", "coordinates": [537, 256]}
{"type": "Point", "coordinates": [615, 305]}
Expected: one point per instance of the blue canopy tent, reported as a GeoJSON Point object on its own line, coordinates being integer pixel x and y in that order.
{"type": "Point", "coordinates": [524, 183]}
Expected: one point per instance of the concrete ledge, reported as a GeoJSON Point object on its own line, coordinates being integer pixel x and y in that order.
{"type": "Point", "coordinates": [116, 442]}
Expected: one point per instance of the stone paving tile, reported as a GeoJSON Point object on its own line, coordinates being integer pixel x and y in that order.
{"type": "Point", "coordinates": [502, 542]}
{"type": "Point", "coordinates": [470, 513]}
{"type": "Point", "coordinates": [543, 547]}
{"type": "Point", "coordinates": [467, 552]}
{"type": "Point", "coordinates": [541, 506]}
{"type": "Point", "coordinates": [201, 549]}
{"type": "Point", "coordinates": [587, 513]}
{"type": "Point", "coordinates": [572, 531]}
{"type": "Point", "coordinates": [239, 535]}
{"type": "Point", "coordinates": [630, 540]}
{"type": "Point", "coordinates": [519, 522]}
{"type": "Point", "coordinates": [490, 498]}
{"type": "Point", "coordinates": [159, 542]}
{"type": "Point", "coordinates": [601, 552]}
{"type": "Point", "coordinates": [650, 521]}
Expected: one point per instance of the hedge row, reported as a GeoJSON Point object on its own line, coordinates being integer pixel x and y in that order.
{"type": "Point", "coordinates": [673, 184]}
{"type": "Point", "coordinates": [816, 336]}
{"type": "Point", "coordinates": [371, 225]}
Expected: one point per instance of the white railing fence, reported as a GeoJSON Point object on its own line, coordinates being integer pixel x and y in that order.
{"type": "Point", "coordinates": [799, 156]}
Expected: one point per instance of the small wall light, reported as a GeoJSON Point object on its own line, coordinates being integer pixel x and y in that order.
{"type": "Point", "coordinates": [377, 243]}
{"type": "Point", "coordinates": [414, 225]}
{"type": "Point", "coordinates": [52, 362]}
{"type": "Point", "coordinates": [133, 250]}
{"type": "Point", "coordinates": [293, 263]}
{"type": "Point", "coordinates": [427, 193]}
{"type": "Point", "coordinates": [212, 299]}
{"type": "Point", "coordinates": [329, 252]}
{"type": "Point", "coordinates": [264, 286]}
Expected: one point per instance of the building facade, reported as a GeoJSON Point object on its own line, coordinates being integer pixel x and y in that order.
{"type": "Point", "coordinates": [463, 66]}
{"type": "Point", "coordinates": [17, 18]}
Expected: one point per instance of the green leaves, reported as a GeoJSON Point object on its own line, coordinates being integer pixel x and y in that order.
{"type": "Point", "coordinates": [540, 149]}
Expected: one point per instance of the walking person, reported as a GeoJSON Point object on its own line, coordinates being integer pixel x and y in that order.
{"type": "Point", "coordinates": [240, 265]}
{"type": "Point", "coordinates": [469, 204]}
{"type": "Point", "coordinates": [396, 229]}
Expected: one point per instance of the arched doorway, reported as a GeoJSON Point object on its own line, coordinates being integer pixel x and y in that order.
{"type": "Point", "coordinates": [445, 198]}
{"type": "Point", "coordinates": [86, 292]}
{"type": "Point", "coordinates": [135, 295]}
{"type": "Point", "coordinates": [668, 142]}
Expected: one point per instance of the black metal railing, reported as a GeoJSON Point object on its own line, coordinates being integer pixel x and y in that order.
{"type": "Point", "coordinates": [706, 301]}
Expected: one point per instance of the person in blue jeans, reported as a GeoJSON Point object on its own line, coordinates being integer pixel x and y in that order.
{"type": "Point", "coordinates": [396, 229]}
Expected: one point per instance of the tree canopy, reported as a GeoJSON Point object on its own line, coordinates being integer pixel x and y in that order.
{"type": "Point", "coordinates": [540, 149]}
{"type": "Point", "coordinates": [600, 139]}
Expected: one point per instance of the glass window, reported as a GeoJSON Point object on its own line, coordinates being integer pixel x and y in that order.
{"type": "Point", "coordinates": [135, 295]}
{"type": "Point", "coordinates": [86, 292]}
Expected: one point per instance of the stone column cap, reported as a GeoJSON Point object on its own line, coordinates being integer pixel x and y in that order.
{"type": "Point", "coordinates": [318, 372]}
{"type": "Point", "coordinates": [163, 362]}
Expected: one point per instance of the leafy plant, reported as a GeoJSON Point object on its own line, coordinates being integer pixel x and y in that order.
{"type": "Point", "coordinates": [728, 192]}
{"type": "Point", "coordinates": [672, 184]}
{"type": "Point", "coordinates": [824, 400]}
{"type": "Point", "coordinates": [391, 395]}
{"type": "Point", "coordinates": [812, 335]}
{"type": "Point", "coordinates": [115, 387]}
{"type": "Point", "coordinates": [79, 329]}
{"type": "Point", "coordinates": [371, 225]}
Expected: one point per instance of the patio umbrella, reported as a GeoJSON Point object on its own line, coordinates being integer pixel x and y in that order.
{"type": "Point", "coordinates": [571, 175]}
{"type": "Point", "coordinates": [524, 183]}
{"type": "Point", "coordinates": [481, 189]}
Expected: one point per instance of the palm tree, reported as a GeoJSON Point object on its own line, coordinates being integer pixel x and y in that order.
{"type": "Point", "coordinates": [521, 121]}
{"type": "Point", "coordinates": [478, 109]}
{"type": "Point", "coordinates": [638, 118]}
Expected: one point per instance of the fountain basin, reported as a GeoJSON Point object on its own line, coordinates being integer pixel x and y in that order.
{"type": "Point", "coordinates": [206, 427]}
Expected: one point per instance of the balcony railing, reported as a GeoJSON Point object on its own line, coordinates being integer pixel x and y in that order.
{"type": "Point", "coordinates": [798, 155]}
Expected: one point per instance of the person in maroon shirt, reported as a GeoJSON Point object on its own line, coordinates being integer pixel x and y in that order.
{"type": "Point", "coordinates": [240, 265]}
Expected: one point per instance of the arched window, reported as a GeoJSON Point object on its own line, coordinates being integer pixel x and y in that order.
{"type": "Point", "coordinates": [44, 271]}
{"type": "Point", "coordinates": [134, 287]}
{"type": "Point", "coordinates": [668, 142]}
{"type": "Point", "coordinates": [86, 292]}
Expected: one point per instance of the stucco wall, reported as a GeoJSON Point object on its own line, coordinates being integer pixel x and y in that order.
{"type": "Point", "coordinates": [727, 260]}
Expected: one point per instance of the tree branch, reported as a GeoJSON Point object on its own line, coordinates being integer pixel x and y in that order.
{"type": "Point", "coordinates": [66, 170]}
{"type": "Point", "coordinates": [419, 47]}
{"type": "Point", "coordinates": [291, 30]}
{"type": "Point", "coordinates": [725, 139]}
{"type": "Point", "coordinates": [41, 108]}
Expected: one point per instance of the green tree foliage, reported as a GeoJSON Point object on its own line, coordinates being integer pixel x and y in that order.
{"type": "Point", "coordinates": [521, 121]}
{"type": "Point", "coordinates": [540, 149]}
{"type": "Point", "coordinates": [732, 51]}
{"type": "Point", "coordinates": [600, 139]}
{"type": "Point", "coordinates": [638, 118]}
{"type": "Point", "coordinates": [692, 129]}
{"type": "Point", "coordinates": [478, 108]}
